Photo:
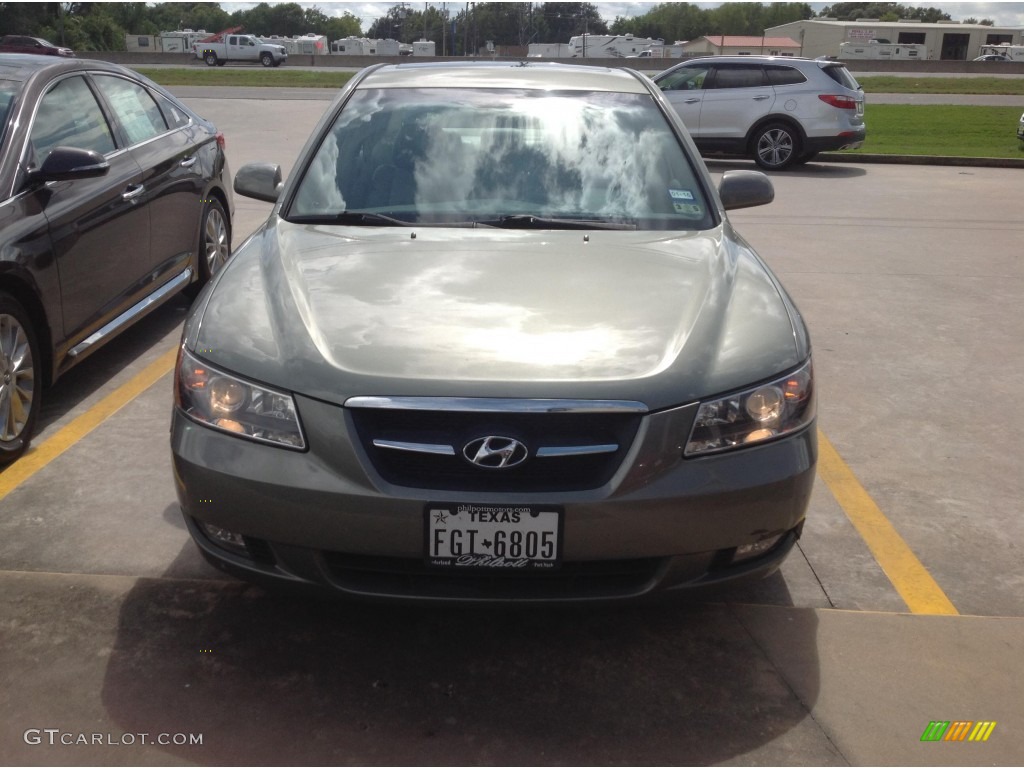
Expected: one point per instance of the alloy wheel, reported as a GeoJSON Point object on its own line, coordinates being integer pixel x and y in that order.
{"type": "Point", "coordinates": [17, 378]}
{"type": "Point", "coordinates": [215, 237]}
{"type": "Point", "coordinates": [775, 148]}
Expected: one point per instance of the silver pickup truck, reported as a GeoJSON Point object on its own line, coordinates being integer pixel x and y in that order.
{"type": "Point", "coordinates": [241, 48]}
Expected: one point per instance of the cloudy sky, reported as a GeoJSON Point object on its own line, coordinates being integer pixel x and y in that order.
{"type": "Point", "coordinates": [1010, 14]}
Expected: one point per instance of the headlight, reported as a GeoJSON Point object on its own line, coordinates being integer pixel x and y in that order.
{"type": "Point", "coordinates": [231, 404]}
{"type": "Point", "coordinates": [755, 415]}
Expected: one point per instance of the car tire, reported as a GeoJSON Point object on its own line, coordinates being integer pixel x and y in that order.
{"type": "Point", "coordinates": [210, 58]}
{"type": "Point", "coordinates": [21, 381]}
{"type": "Point", "coordinates": [214, 241]}
{"type": "Point", "coordinates": [805, 158]}
{"type": "Point", "coordinates": [267, 60]}
{"type": "Point", "coordinates": [775, 146]}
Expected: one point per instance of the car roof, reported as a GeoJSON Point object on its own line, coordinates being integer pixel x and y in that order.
{"type": "Point", "coordinates": [761, 59]}
{"type": "Point", "coordinates": [513, 74]}
{"type": "Point", "coordinates": [23, 66]}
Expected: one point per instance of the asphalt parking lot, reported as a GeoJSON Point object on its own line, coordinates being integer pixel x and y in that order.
{"type": "Point", "coordinates": [903, 605]}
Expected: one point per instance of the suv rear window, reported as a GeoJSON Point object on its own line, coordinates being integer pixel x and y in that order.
{"type": "Point", "coordinates": [841, 75]}
{"type": "Point", "coordinates": [784, 75]}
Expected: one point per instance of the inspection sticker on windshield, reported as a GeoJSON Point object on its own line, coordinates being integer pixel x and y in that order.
{"type": "Point", "coordinates": [683, 203]}
{"type": "Point", "coordinates": [512, 537]}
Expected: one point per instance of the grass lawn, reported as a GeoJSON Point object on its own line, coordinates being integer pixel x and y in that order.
{"type": "Point", "coordinates": [958, 131]}
{"type": "Point", "coordinates": [986, 86]}
{"type": "Point", "coordinates": [247, 76]}
{"type": "Point", "coordinates": [283, 77]}
{"type": "Point", "coordinates": [964, 131]}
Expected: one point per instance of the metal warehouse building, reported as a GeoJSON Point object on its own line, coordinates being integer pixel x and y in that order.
{"type": "Point", "coordinates": [950, 41]}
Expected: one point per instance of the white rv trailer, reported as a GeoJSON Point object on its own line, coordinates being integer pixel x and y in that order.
{"type": "Point", "coordinates": [613, 46]}
{"type": "Point", "coordinates": [875, 50]}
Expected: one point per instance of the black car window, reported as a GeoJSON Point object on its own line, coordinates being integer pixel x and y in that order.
{"type": "Point", "coordinates": [138, 114]}
{"type": "Point", "coordinates": [174, 114]}
{"type": "Point", "coordinates": [69, 116]}
{"type": "Point", "coordinates": [739, 76]}
{"type": "Point", "coordinates": [7, 90]}
{"type": "Point", "coordinates": [779, 75]}
{"type": "Point", "coordinates": [684, 79]}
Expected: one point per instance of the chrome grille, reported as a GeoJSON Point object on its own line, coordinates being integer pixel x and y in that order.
{"type": "Point", "coordinates": [567, 446]}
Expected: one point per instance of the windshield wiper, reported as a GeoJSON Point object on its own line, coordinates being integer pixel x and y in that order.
{"type": "Point", "coordinates": [352, 218]}
{"type": "Point", "coordinates": [526, 221]}
{"type": "Point", "coordinates": [370, 219]}
{"type": "Point", "coordinates": [361, 218]}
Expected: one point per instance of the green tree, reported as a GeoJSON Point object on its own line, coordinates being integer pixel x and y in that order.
{"type": "Point", "coordinates": [345, 25]}
{"type": "Point", "coordinates": [854, 11]}
{"type": "Point", "coordinates": [667, 21]}
{"type": "Point", "coordinates": [564, 20]}
{"type": "Point", "coordinates": [28, 19]}
{"type": "Point", "coordinates": [99, 32]}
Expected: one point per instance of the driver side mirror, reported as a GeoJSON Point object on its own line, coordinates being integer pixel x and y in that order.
{"type": "Point", "coordinates": [69, 163]}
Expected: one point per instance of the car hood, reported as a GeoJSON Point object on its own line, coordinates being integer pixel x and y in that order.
{"type": "Point", "coordinates": [334, 312]}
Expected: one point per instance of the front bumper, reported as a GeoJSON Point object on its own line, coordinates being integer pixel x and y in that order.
{"type": "Point", "coordinates": [324, 518]}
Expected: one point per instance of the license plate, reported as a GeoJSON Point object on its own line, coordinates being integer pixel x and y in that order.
{"type": "Point", "coordinates": [511, 537]}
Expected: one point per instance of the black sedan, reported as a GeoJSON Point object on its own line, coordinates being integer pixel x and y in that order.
{"type": "Point", "coordinates": [114, 197]}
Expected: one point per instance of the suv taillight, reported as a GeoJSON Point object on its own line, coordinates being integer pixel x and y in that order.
{"type": "Point", "coordinates": [221, 141]}
{"type": "Point", "coordinates": [839, 102]}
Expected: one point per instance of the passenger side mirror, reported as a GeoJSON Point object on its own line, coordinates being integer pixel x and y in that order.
{"type": "Point", "coordinates": [745, 189]}
{"type": "Point", "coordinates": [261, 181]}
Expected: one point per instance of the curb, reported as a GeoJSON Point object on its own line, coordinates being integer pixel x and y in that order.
{"type": "Point", "coordinates": [977, 162]}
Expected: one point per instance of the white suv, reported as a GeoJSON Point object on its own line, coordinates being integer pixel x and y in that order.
{"type": "Point", "coordinates": [779, 110]}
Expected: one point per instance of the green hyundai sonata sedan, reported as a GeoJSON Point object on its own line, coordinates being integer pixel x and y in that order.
{"type": "Point", "coordinates": [497, 341]}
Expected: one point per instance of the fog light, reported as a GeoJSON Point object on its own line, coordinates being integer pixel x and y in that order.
{"type": "Point", "coordinates": [758, 435]}
{"type": "Point", "coordinates": [758, 548]}
{"type": "Point", "coordinates": [230, 425]}
{"type": "Point", "coordinates": [224, 537]}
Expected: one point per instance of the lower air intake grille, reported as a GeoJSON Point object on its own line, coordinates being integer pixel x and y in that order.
{"type": "Point", "coordinates": [406, 576]}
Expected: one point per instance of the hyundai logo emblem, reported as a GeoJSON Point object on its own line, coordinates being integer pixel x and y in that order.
{"type": "Point", "coordinates": [494, 452]}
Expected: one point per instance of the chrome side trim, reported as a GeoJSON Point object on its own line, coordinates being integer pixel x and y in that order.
{"type": "Point", "coordinates": [133, 312]}
{"type": "Point", "coordinates": [496, 405]}
{"type": "Point", "coordinates": [563, 451]}
{"type": "Point", "coordinates": [396, 445]}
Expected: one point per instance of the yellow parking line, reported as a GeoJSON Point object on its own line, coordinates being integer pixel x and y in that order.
{"type": "Point", "coordinates": [39, 457]}
{"type": "Point", "coordinates": [911, 579]}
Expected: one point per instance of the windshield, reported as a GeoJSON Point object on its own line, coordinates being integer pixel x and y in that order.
{"type": "Point", "coordinates": [502, 157]}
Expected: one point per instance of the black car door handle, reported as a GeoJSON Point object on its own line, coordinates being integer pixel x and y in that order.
{"type": "Point", "coordinates": [132, 192]}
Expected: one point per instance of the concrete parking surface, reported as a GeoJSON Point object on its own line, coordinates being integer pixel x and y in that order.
{"type": "Point", "coordinates": [902, 606]}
